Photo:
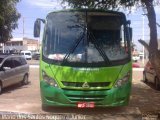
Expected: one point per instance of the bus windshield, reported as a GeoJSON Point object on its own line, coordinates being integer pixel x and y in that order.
{"type": "Point", "coordinates": [79, 37]}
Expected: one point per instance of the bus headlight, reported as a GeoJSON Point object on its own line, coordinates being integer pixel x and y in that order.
{"type": "Point", "coordinates": [122, 81]}
{"type": "Point", "coordinates": [49, 80]}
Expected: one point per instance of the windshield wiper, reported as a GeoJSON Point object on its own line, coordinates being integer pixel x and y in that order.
{"type": "Point", "coordinates": [75, 45]}
{"type": "Point", "coordinates": [98, 47]}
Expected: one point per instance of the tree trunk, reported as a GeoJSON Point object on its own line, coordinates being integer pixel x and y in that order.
{"type": "Point", "coordinates": [153, 45]}
{"type": "Point", "coordinates": [154, 53]}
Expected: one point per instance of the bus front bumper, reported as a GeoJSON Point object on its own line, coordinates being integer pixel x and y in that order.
{"type": "Point", "coordinates": [52, 96]}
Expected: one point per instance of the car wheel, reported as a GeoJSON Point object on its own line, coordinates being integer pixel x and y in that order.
{"type": "Point", "coordinates": [0, 88]}
{"type": "Point", "coordinates": [25, 80]}
{"type": "Point", "coordinates": [144, 77]}
{"type": "Point", "coordinates": [156, 82]}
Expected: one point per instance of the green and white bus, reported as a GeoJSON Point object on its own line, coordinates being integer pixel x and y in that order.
{"type": "Point", "coordinates": [85, 58]}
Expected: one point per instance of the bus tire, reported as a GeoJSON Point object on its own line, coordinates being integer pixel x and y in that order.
{"type": "Point", "coordinates": [144, 77]}
{"type": "Point", "coordinates": [157, 83]}
{"type": "Point", "coordinates": [0, 87]}
{"type": "Point", "coordinates": [25, 80]}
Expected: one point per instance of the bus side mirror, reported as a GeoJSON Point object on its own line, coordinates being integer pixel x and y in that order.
{"type": "Point", "coordinates": [129, 33]}
{"type": "Point", "coordinates": [128, 22]}
{"type": "Point", "coordinates": [37, 28]}
{"type": "Point", "coordinates": [129, 29]}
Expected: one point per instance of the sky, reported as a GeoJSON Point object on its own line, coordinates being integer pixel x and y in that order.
{"type": "Point", "coordinates": [32, 9]}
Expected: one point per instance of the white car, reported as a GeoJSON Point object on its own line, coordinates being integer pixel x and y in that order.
{"type": "Point", "coordinates": [149, 75]}
{"type": "Point", "coordinates": [135, 58]}
{"type": "Point", "coordinates": [27, 54]}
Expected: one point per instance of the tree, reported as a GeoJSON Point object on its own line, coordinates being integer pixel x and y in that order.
{"type": "Point", "coordinates": [8, 19]}
{"type": "Point", "coordinates": [148, 5]}
{"type": "Point", "coordinates": [154, 53]}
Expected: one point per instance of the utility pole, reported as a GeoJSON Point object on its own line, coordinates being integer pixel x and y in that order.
{"type": "Point", "coordinates": [3, 47]}
{"type": "Point", "coordinates": [143, 39]}
{"type": "Point", "coordinates": [38, 44]}
{"type": "Point", "coordinates": [23, 27]}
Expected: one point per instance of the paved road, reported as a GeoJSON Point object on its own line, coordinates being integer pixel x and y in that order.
{"type": "Point", "coordinates": [26, 99]}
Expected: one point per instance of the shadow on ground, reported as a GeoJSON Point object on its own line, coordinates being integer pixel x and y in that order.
{"type": "Point", "coordinates": [145, 97]}
{"type": "Point", "coordinates": [111, 113]}
{"type": "Point", "coordinates": [151, 85]}
{"type": "Point", "coordinates": [14, 87]}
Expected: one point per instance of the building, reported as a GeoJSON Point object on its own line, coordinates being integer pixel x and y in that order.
{"type": "Point", "coordinates": [16, 45]}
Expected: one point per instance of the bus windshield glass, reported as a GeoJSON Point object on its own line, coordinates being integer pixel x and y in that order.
{"type": "Point", "coordinates": [80, 37]}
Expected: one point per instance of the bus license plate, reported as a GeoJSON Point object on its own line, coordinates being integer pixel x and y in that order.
{"type": "Point", "coordinates": [86, 105]}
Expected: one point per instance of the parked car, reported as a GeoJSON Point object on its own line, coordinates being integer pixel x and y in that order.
{"type": "Point", "coordinates": [135, 58]}
{"type": "Point", "coordinates": [13, 69]}
{"type": "Point", "coordinates": [27, 54]}
{"type": "Point", "coordinates": [36, 56]}
{"type": "Point", "coordinates": [149, 75]}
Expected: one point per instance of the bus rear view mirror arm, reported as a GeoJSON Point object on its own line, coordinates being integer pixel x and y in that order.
{"type": "Point", "coordinates": [37, 27]}
{"type": "Point", "coordinates": [128, 22]}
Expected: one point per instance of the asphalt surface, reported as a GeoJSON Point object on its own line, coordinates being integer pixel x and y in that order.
{"type": "Point", "coordinates": [24, 102]}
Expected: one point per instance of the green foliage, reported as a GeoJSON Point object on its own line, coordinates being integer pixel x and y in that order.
{"type": "Point", "coordinates": [108, 4]}
{"type": "Point", "coordinates": [148, 6]}
{"type": "Point", "coordinates": [8, 18]}
{"type": "Point", "coordinates": [101, 4]}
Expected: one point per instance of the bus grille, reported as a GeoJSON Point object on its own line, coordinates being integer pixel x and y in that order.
{"type": "Point", "coordinates": [95, 98]}
{"type": "Point", "coordinates": [90, 84]}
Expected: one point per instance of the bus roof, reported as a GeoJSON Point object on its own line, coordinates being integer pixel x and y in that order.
{"type": "Point", "coordinates": [91, 10]}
